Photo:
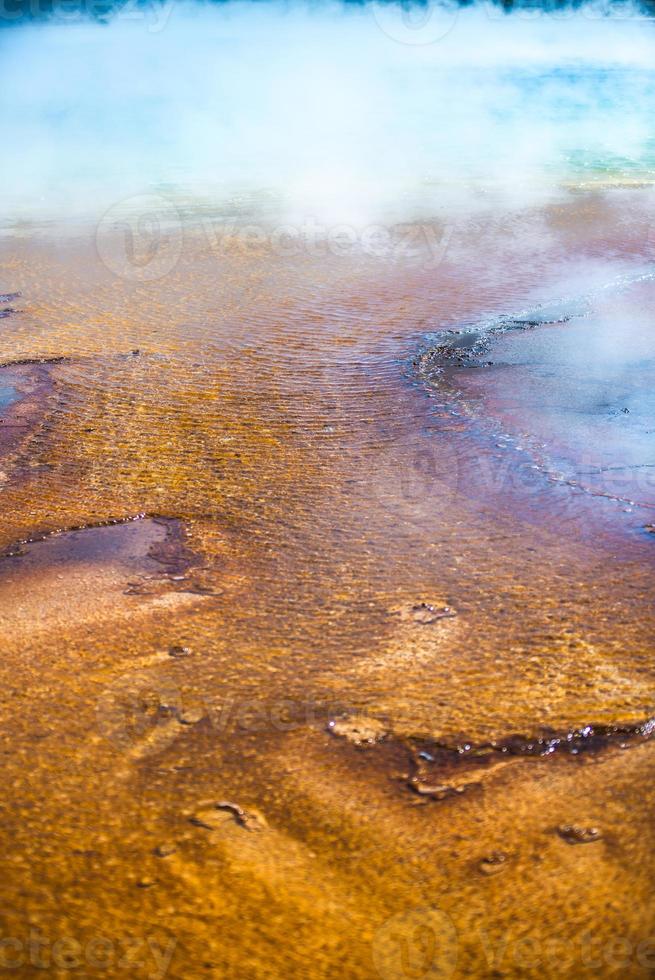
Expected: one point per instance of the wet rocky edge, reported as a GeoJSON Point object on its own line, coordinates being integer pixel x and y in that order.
{"type": "Point", "coordinates": [469, 345]}
{"type": "Point", "coordinates": [8, 310]}
{"type": "Point", "coordinates": [30, 383]}
{"type": "Point", "coordinates": [34, 362]}
{"type": "Point", "coordinates": [438, 770]}
{"type": "Point", "coordinates": [159, 554]}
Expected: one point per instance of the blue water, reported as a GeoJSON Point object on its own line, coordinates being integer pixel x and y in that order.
{"type": "Point", "coordinates": [8, 395]}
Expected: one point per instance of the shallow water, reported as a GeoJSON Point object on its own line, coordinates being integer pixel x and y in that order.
{"type": "Point", "coordinates": [331, 497]}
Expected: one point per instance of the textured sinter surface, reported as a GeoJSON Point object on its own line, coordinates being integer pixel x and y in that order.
{"type": "Point", "coordinates": [297, 568]}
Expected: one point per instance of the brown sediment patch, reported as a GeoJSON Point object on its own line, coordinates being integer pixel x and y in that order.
{"type": "Point", "coordinates": [93, 540]}
{"type": "Point", "coordinates": [420, 631]}
{"type": "Point", "coordinates": [156, 549]}
{"type": "Point", "coordinates": [433, 674]}
{"type": "Point", "coordinates": [89, 572]}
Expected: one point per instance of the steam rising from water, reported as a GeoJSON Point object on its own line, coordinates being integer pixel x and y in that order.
{"type": "Point", "coordinates": [347, 113]}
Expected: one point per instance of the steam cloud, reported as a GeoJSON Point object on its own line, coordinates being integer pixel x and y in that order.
{"type": "Point", "coordinates": [350, 113]}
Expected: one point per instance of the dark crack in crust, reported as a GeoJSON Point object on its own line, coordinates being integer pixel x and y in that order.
{"type": "Point", "coordinates": [439, 770]}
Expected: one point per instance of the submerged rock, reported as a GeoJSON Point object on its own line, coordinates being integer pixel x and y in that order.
{"type": "Point", "coordinates": [575, 834]}
{"type": "Point", "coordinates": [191, 716]}
{"type": "Point", "coordinates": [427, 613]}
{"type": "Point", "coordinates": [217, 815]}
{"type": "Point", "coordinates": [178, 651]}
{"type": "Point", "coordinates": [424, 612]}
{"type": "Point", "coordinates": [493, 863]}
{"type": "Point", "coordinates": [358, 729]}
